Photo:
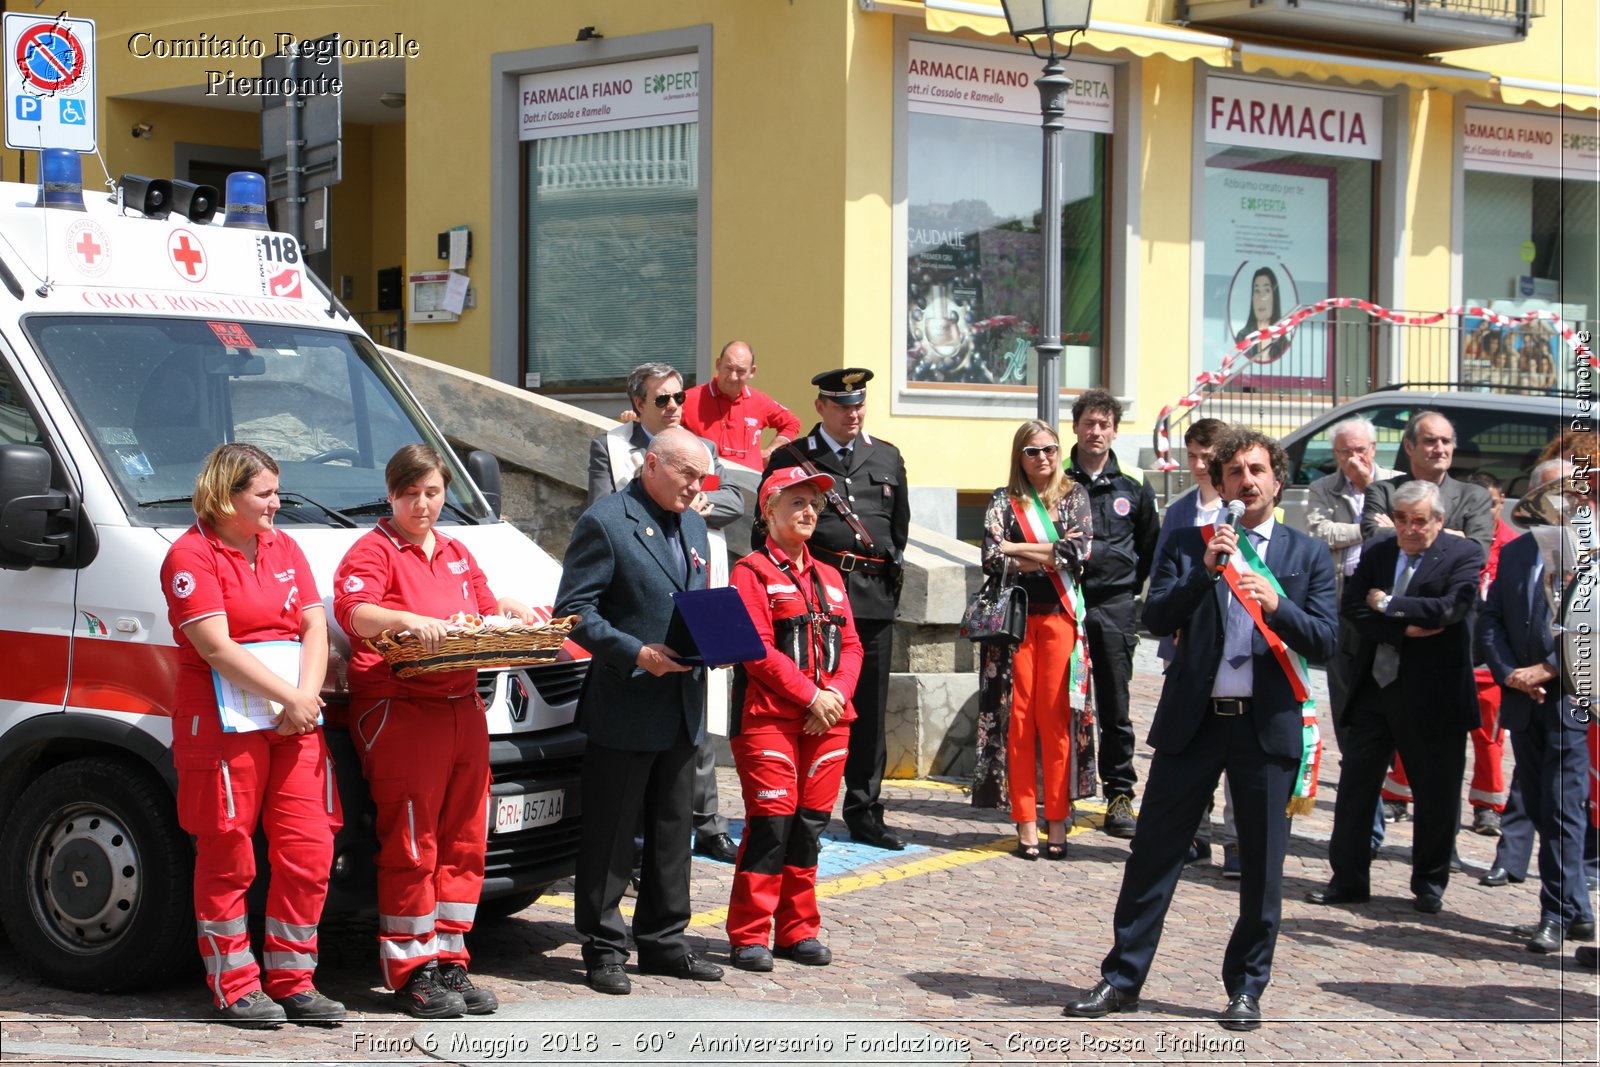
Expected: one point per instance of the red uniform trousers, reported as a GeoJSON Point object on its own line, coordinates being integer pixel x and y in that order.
{"type": "Point", "coordinates": [790, 781]}
{"type": "Point", "coordinates": [427, 765]}
{"type": "Point", "coordinates": [1488, 788]}
{"type": "Point", "coordinates": [227, 783]}
{"type": "Point", "coordinates": [1040, 713]}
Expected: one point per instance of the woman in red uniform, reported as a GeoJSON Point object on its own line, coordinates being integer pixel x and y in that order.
{"type": "Point", "coordinates": [793, 726]}
{"type": "Point", "coordinates": [232, 581]}
{"type": "Point", "coordinates": [423, 741]}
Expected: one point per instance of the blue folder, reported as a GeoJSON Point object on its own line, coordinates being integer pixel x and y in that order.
{"type": "Point", "coordinates": [711, 628]}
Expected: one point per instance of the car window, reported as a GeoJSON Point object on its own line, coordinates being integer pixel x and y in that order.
{"type": "Point", "coordinates": [1311, 457]}
{"type": "Point", "coordinates": [1506, 444]}
{"type": "Point", "coordinates": [16, 422]}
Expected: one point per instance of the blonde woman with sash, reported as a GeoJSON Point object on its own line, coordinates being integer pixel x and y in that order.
{"type": "Point", "coordinates": [1033, 700]}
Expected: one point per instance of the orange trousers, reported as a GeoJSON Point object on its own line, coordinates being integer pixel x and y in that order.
{"type": "Point", "coordinates": [1041, 717]}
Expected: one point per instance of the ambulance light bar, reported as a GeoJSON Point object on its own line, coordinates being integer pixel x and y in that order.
{"type": "Point", "coordinates": [60, 179]}
{"type": "Point", "coordinates": [247, 201]}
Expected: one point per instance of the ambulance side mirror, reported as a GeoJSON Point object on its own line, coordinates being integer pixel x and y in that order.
{"type": "Point", "coordinates": [26, 504]}
{"type": "Point", "coordinates": [484, 469]}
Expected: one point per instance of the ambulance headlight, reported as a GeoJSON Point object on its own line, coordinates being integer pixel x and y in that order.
{"type": "Point", "coordinates": [60, 179]}
{"type": "Point", "coordinates": [247, 201]}
{"type": "Point", "coordinates": [197, 203]}
{"type": "Point", "coordinates": [151, 197]}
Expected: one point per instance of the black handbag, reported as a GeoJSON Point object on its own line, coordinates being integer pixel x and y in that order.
{"type": "Point", "coordinates": [998, 612]}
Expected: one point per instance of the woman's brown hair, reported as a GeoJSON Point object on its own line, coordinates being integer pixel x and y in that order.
{"type": "Point", "coordinates": [1019, 485]}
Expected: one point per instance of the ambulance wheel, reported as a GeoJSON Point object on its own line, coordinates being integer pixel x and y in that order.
{"type": "Point", "coordinates": [96, 876]}
{"type": "Point", "coordinates": [496, 909]}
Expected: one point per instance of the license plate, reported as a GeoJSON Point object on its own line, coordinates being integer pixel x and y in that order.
{"type": "Point", "coordinates": [527, 810]}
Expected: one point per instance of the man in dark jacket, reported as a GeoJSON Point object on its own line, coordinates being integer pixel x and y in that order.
{"type": "Point", "coordinates": [1126, 528]}
{"type": "Point", "coordinates": [1411, 600]}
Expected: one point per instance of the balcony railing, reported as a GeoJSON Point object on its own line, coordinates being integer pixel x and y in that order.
{"type": "Point", "coordinates": [1416, 26]}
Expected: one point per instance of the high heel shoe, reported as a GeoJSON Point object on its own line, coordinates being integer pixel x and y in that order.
{"type": "Point", "coordinates": [1055, 850]}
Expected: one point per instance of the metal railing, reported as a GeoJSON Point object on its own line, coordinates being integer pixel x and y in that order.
{"type": "Point", "coordinates": [388, 328]}
{"type": "Point", "coordinates": [1328, 360]}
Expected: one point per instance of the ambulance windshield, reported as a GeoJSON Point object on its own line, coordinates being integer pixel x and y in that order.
{"type": "Point", "coordinates": [155, 395]}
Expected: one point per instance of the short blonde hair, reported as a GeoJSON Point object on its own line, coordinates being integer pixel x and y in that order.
{"type": "Point", "coordinates": [229, 469]}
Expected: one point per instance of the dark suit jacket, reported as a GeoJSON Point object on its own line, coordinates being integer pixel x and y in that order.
{"type": "Point", "coordinates": [1467, 508]}
{"type": "Point", "coordinates": [727, 501]}
{"type": "Point", "coordinates": [618, 578]}
{"type": "Point", "coordinates": [1435, 672]}
{"type": "Point", "coordinates": [1185, 600]}
{"type": "Point", "coordinates": [875, 486]}
{"type": "Point", "coordinates": [1509, 637]}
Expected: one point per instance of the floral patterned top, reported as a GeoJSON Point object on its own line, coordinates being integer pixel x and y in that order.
{"type": "Point", "coordinates": [1000, 524]}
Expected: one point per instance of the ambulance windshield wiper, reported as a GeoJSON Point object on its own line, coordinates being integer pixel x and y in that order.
{"type": "Point", "coordinates": [167, 502]}
{"type": "Point", "coordinates": [337, 516]}
{"type": "Point", "coordinates": [372, 506]}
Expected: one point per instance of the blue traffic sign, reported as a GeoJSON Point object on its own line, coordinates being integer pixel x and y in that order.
{"type": "Point", "coordinates": [29, 108]}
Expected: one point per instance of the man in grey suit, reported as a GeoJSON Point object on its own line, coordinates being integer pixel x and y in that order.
{"type": "Point", "coordinates": [656, 392]}
{"type": "Point", "coordinates": [643, 712]}
{"type": "Point", "coordinates": [1430, 447]}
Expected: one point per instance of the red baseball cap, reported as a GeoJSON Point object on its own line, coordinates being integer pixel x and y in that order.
{"type": "Point", "coordinates": [788, 478]}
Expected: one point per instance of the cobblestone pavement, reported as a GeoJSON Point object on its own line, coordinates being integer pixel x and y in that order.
{"type": "Point", "coordinates": [953, 952]}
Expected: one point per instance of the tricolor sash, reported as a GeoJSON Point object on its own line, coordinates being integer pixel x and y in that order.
{"type": "Point", "coordinates": [1039, 529]}
{"type": "Point", "coordinates": [1294, 667]}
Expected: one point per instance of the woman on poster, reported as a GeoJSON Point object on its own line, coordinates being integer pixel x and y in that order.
{"type": "Point", "coordinates": [1036, 696]}
{"type": "Point", "coordinates": [1266, 308]}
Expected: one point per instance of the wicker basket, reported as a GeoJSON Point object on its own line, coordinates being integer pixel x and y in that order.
{"type": "Point", "coordinates": [485, 650]}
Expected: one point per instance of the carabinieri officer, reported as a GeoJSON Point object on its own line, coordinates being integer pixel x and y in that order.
{"type": "Point", "coordinates": [861, 533]}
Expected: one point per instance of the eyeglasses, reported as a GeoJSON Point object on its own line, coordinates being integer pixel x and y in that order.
{"type": "Point", "coordinates": [1358, 450]}
{"type": "Point", "coordinates": [1035, 451]}
{"type": "Point", "coordinates": [662, 399]}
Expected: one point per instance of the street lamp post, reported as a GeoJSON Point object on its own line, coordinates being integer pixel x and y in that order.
{"type": "Point", "coordinates": [1029, 19]}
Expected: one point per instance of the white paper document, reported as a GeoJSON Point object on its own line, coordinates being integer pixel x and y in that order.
{"type": "Point", "coordinates": [242, 710]}
{"type": "Point", "coordinates": [455, 293]}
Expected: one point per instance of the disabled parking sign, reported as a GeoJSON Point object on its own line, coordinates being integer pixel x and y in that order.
{"type": "Point", "coordinates": [49, 82]}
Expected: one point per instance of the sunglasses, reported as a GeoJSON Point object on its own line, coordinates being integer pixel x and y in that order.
{"type": "Point", "coordinates": [677, 398]}
{"type": "Point", "coordinates": [1035, 451]}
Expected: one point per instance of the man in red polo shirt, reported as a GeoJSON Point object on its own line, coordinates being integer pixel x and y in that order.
{"type": "Point", "coordinates": [733, 415]}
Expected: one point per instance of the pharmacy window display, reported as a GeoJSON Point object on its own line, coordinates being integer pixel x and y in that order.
{"type": "Point", "coordinates": [973, 241]}
{"type": "Point", "coordinates": [1288, 221]}
{"type": "Point", "coordinates": [1530, 211]}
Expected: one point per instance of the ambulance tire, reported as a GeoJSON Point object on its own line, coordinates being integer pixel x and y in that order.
{"type": "Point", "coordinates": [498, 909]}
{"type": "Point", "coordinates": [129, 918]}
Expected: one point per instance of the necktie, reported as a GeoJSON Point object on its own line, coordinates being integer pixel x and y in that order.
{"type": "Point", "coordinates": [675, 548]}
{"type": "Point", "coordinates": [1386, 661]}
{"type": "Point", "coordinates": [844, 456]}
{"type": "Point", "coordinates": [1240, 628]}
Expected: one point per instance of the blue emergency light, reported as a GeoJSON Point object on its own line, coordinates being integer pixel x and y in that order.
{"type": "Point", "coordinates": [247, 201]}
{"type": "Point", "coordinates": [60, 179]}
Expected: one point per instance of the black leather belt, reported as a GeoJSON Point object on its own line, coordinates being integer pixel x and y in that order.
{"type": "Point", "coordinates": [849, 562]}
{"type": "Point", "coordinates": [1230, 706]}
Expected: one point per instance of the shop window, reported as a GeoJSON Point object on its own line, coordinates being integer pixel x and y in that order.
{"type": "Point", "coordinates": [1289, 191]}
{"type": "Point", "coordinates": [973, 221]}
{"type": "Point", "coordinates": [612, 197]}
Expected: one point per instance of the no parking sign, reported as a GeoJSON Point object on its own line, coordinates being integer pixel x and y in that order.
{"type": "Point", "coordinates": [50, 93]}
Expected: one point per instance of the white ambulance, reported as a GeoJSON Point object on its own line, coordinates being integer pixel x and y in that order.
{"type": "Point", "coordinates": [135, 335]}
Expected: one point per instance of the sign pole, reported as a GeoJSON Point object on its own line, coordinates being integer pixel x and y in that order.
{"type": "Point", "coordinates": [295, 143]}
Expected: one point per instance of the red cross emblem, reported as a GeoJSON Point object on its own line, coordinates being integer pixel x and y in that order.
{"type": "Point", "coordinates": [188, 258]}
{"type": "Point", "coordinates": [88, 248]}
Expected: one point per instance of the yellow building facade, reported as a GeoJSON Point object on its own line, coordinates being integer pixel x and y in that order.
{"type": "Point", "coordinates": [856, 182]}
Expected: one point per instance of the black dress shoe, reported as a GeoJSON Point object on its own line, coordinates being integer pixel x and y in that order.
{"type": "Point", "coordinates": [688, 966]}
{"type": "Point", "coordinates": [1243, 1013]}
{"type": "Point", "coordinates": [1580, 930]}
{"type": "Point", "coordinates": [719, 847]}
{"type": "Point", "coordinates": [1333, 894]}
{"type": "Point", "coordinates": [807, 950]}
{"type": "Point", "coordinates": [1547, 936]}
{"type": "Point", "coordinates": [1587, 956]}
{"type": "Point", "coordinates": [610, 978]}
{"type": "Point", "coordinates": [751, 957]}
{"type": "Point", "coordinates": [1103, 999]}
{"type": "Point", "coordinates": [1497, 876]}
{"type": "Point", "coordinates": [1428, 903]}
{"type": "Point", "coordinates": [878, 836]}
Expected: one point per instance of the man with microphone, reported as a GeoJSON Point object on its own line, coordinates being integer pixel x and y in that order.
{"type": "Point", "coordinates": [1249, 603]}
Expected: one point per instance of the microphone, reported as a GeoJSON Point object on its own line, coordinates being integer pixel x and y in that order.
{"type": "Point", "coordinates": [1235, 513]}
